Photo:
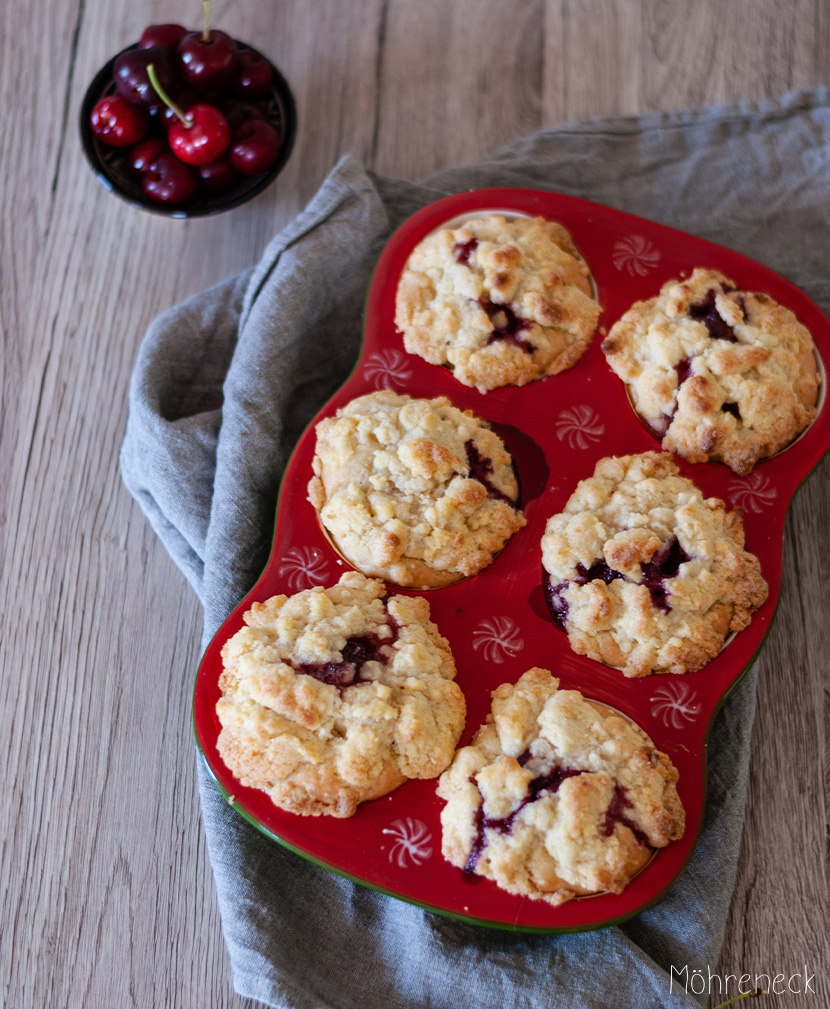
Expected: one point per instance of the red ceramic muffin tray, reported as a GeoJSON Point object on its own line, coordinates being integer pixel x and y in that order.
{"type": "Point", "coordinates": [497, 622]}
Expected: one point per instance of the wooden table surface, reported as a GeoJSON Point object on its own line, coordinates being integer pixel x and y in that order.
{"type": "Point", "coordinates": [106, 895]}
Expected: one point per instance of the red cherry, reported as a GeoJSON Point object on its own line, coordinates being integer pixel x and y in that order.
{"type": "Point", "coordinates": [203, 137]}
{"type": "Point", "coordinates": [170, 181]}
{"type": "Point", "coordinates": [238, 112]}
{"type": "Point", "coordinates": [130, 74]}
{"type": "Point", "coordinates": [168, 36]}
{"type": "Point", "coordinates": [256, 146]}
{"type": "Point", "coordinates": [218, 177]}
{"type": "Point", "coordinates": [184, 102]}
{"type": "Point", "coordinates": [141, 157]}
{"type": "Point", "coordinates": [116, 122]}
{"type": "Point", "coordinates": [207, 60]}
{"type": "Point", "coordinates": [254, 77]}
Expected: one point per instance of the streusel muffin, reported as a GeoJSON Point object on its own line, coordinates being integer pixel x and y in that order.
{"type": "Point", "coordinates": [334, 696]}
{"type": "Point", "coordinates": [414, 491]}
{"type": "Point", "coordinates": [557, 797]}
{"type": "Point", "coordinates": [644, 573]}
{"type": "Point", "coordinates": [501, 301]}
{"type": "Point", "coordinates": [717, 373]}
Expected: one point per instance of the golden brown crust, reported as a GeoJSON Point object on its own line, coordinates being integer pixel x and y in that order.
{"type": "Point", "coordinates": [647, 575]}
{"type": "Point", "coordinates": [332, 697]}
{"type": "Point", "coordinates": [512, 306]}
{"type": "Point", "coordinates": [398, 488]}
{"type": "Point", "coordinates": [737, 396]}
{"type": "Point", "coordinates": [557, 797]}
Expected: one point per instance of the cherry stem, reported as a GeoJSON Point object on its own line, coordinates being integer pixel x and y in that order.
{"type": "Point", "coordinates": [168, 101]}
{"type": "Point", "coordinates": [206, 32]}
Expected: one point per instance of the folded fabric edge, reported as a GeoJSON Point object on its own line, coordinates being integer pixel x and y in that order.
{"type": "Point", "coordinates": [348, 173]}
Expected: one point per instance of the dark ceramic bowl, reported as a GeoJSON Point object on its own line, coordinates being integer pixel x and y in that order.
{"type": "Point", "coordinates": [110, 163]}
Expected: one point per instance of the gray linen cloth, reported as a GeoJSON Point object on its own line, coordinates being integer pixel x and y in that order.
{"type": "Point", "coordinates": [223, 386]}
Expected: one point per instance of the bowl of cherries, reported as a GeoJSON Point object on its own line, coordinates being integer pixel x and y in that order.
{"type": "Point", "coordinates": [188, 123]}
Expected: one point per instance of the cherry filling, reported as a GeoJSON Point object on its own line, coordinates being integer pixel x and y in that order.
{"type": "Point", "coordinates": [354, 656]}
{"type": "Point", "coordinates": [683, 370]}
{"type": "Point", "coordinates": [706, 313]}
{"type": "Point", "coordinates": [655, 573]}
{"type": "Point", "coordinates": [557, 603]}
{"type": "Point", "coordinates": [598, 570]}
{"type": "Point", "coordinates": [463, 251]}
{"type": "Point", "coordinates": [481, 469]}
{"type": "Point", "coordinates": [616, 814]}
{"type": "Point", "coordinates": [548, 782]}
{"type": "Point", "coordinates": [662, 566]}
{"type": "Point", "coordinates": [506, 324]}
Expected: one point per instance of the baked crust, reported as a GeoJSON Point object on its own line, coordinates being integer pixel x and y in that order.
{"type": "Point", "coordinates": [717, 373]}
{"type": "Point", "coordinates": [645, 574]}
{"type": "Point", "coordinates": [414, 491]}
{"type": "Point", "coordinates": [556, 797]}
{"type": "Point", "coordinates": [500, 301]}
{"type": "Point", "coordinates": [335, 696]}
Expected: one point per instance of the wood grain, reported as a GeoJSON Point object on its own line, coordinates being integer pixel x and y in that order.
{"type": "Point", "coordinates": [106, 898]}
